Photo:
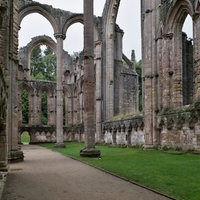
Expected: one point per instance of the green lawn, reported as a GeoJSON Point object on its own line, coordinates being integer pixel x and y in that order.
{"type": "Point", "coordinates": [175, 175]}
{"type": "Point", "coordinates": [25, 137]}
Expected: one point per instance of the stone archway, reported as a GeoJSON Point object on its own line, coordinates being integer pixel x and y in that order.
{"type": "Point", "coordinates": [110, 15]}
{"type": "Point", "coordinates": [174, 45]}
{"type": "Point", "coordinates": [25, 53]}
{"type": "Point", "coordinates": [44, 10]}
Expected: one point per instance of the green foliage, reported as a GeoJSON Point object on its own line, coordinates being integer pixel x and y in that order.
{"type": "Point", "coordinates": [44, 109]}
{"type": "Point", "coordinates": [139, 72]}
{"type": "Point", "coordinates": [25, 137]}
{"type": "Point", "coordinates": [175, 175]}
{"type": "Point", "coordinates": [43, 66]}
{"type": "Point", "coordinates": [25, 107]}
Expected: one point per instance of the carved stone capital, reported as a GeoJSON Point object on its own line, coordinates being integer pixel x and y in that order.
{"type": "Point", "coordinates": [60, 35]}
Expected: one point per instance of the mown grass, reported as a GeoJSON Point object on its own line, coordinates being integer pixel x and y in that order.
{"type": "Point", "coordinates": [25, 137]}
{"type": "Point", "coordinates": [175, 175]}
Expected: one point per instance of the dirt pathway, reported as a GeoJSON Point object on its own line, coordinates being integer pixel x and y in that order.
{"type": "Point", "coordinates": [47, 175]}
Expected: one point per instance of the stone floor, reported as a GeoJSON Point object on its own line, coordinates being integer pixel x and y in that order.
{"type": "Point", "coordinates": [47, 175]}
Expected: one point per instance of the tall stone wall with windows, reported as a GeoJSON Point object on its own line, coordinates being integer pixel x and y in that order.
{"type": "Point", "coordinates": [170, 74]}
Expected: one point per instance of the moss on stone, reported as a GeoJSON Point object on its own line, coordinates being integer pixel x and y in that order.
{"type": "Point", "coordinates": [125, 116]}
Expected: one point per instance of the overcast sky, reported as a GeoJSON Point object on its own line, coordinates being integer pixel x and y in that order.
{"type": "Point", "coordinates": [128, 19]}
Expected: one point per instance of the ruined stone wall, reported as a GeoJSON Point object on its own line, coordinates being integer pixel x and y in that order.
{"type": "Point", "coordinates": [3, 85]}
{"type": "Point", "coordinates": [126, 132]}
{"type": "Point", "coordinates": [170, 74]}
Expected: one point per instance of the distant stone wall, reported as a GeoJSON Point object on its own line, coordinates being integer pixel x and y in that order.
{"type": "Point", "coordinates": [40, 134]}
{"type": "Point", "coordinates": [129, 132]}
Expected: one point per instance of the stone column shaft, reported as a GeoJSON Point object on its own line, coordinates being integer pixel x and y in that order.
{"type": "Point", "coordinates": [98, 92]}
{"type": "Point", "coordinates": [59, 93]}
{"type": "Point", "coordinates": [89, 82]}
{"type": "Point", "coordinates": [196, 58]}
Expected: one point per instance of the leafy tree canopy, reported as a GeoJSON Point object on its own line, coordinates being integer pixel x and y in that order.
{"type": "Point", "coordinates": [43, 64]}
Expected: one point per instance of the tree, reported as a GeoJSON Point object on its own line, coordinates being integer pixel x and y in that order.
{"type": "Point", "coordinates": [36, 61]}
{"type": "Point", "coordinates": [25, 107]}
{"type": "Point", "coordinates": [43, 65]}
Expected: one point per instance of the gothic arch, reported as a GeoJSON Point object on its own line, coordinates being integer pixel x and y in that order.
{"type": "Point", "coordinates": [26, 86]}
{"type": "Point", "coordinates": [44, 88]}
{"type": "Point", "coordinates": [39, 40]}
{"type": "Point", "coordinates": [177, 15]}
{"type": "Point", "coordinates": [110, 15]}
{"type": "Point", "coordinates": [40, 9]}
{"type": "Point", "coordinates": [174, 43]}
{"type": "Point", "coordinates": [78, 18]}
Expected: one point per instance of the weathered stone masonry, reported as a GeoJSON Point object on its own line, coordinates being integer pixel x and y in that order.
{"type": "Point", "coordinates": [72, 76]}
{"type": "Point", "coordinates": [170, 75]}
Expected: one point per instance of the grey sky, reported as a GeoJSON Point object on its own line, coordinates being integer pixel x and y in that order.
{"type": "Point", "coordinates": [128, 19]}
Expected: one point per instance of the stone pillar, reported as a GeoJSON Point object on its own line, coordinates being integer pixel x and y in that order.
{"type": "Point", "coordinates": [89, 82]}
{"type": "Point", "coordinates": [196, 25]}
{"type": "Point", "coordinates": [59, 92]}
{"type": "Point", "coordinates": [14, 153]}
{"type": "Point", "coordinates": [118, 44]}
{"type": "Point", "coordinates": [3, 89]}
{"type": "Point", "coordinates": [150, 70]}
{"type": "Point", "coordinates": [166, 70]}
{"type": "Point", "coordinates": [51, 111]}
{"type": "Point", "coordinates": [32, 108]}
{"type": "Point", "coordinates": [98, 93]}
{"type": "Point", "coordinates": [109, 83]}
{"type": "Point", "coordinates": [38, 111]}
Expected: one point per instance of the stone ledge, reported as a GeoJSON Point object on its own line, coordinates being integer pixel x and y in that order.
{"type": "Point", "coordinates": [3, 176]}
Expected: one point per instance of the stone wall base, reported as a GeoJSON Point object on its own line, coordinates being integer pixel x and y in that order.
{"type": "Point", "coordinates": [3, 167]}
{"type": "Point", "coordinates": [90, 152]}
{"type": "Point", "coordinates": [16, 156]}
{"type": "Point", "coordinates": [59, 145]}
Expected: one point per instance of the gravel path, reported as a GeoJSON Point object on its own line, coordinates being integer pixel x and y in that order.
{"type": "Point", "coordinates": [47, 175]}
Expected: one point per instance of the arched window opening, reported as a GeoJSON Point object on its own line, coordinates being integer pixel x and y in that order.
{"type": "Point", "coordinates": [25, 107]}
{"type": "Point", "coordinates": [39, 26]}
{"type": "Point", "coordinates": [187, 62]}
{"type": "Point", "coordinates": [125, 12]}
{"type": "Point", "coordinates": [70, 45]}
{"type": "Point", "coordinates": [25, 138]}
{"type": "Point", "coordinates": [43, 63]}
{"type": "Point", "coordinates": [44, 108]}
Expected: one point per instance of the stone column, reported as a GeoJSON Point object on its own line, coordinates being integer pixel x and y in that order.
{"type": "Point", "coordinates": [89, 81]}
{"type": "Point", "coordinates": [98, 93]}
{"type": "Point", "coordinates": [32, 108]}
{"type": "Point", "coordinates": [51, 111]}
{"type": "Point", "coordinates": [166, 71]}
{"type": "Point", "coordinates": [14, 153]}
{"type": "Point", "coordinates": [196, 25]}
{"type": "Point", "coordinates": [59, 92]}
{"type": "Point", "coordinates": [3, 90]}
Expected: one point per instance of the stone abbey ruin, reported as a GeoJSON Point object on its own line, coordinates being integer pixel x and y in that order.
{"type": "Point", "coordinates": [170, 80]}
